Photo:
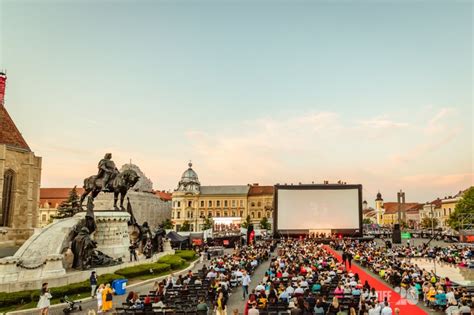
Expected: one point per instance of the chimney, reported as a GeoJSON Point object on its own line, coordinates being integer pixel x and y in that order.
{"type": "Point", "coordinates": [255, 184]}
{"type": "Point", "coordinates": [3, 81]}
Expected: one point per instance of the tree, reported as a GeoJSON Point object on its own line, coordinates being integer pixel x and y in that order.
{"type": "Point", "coordinates": [463, 215]}
{"type": "Point", "coordinates": [264, 224]}
{"type": "Point", "coordinates": [426, 223]}
{"type": "Point", "coordinates": [246, 223]}
{"type": "Point", "coordinates": [186, 227]}
{"type": "Point", "coordinates": [208, 223]}
{"type": "Point", "coordinates": [69, 207]}
{"type": "Point", "coordinates": [167, 224]}
{"type": "Point", "coordinates": [367, 221]}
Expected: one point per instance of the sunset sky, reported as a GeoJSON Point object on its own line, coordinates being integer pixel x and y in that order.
{"type": "Point", "coordinates": [370, 92]}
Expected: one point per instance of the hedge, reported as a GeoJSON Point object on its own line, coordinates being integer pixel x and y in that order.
{"type": "Point", "coordinates": [24, 297]}
{"type": "Point", "coordinates": [186, 254]}
{"type": "Point", "coordinates": [164, 264]}
{"type": "Point", "coordinates": [174, 261]}
{"type": "Point", "coordinates": [141, 270]}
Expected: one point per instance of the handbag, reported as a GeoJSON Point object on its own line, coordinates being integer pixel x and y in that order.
{"type": "Point", "coordinates": [109, 297]}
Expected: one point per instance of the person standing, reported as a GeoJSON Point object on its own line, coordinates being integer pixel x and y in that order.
{"type": "Point", "coordinates": [93, 283]}
{"type": "Point", "coordinates": [344, 257]}
{"type": "Point", "coordinates": [349, 259]}
{"type": "Point", "coordinates": [107, 297]}
{"type": "Point", "coordinates": [245, 284]}
{"type": "Point", "coordinates": [44, 300]}
{"type": "Point", "coordinates": [99, 297]}
{"type": "Point", "coordinates": [221, 304]}
{"type": "Point", "coordinates": [133, 251]}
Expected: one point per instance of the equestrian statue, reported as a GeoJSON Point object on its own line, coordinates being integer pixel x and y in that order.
{"type": "Point", "coordinates": [109, 179]}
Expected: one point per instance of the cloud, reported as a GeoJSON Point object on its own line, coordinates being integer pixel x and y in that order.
{"type": "Point", "coordinates": [381, 122]}
{"type": "Point", "coordinates": [441, 180]}
{"type": "Point", "coordinates": [438, 123]}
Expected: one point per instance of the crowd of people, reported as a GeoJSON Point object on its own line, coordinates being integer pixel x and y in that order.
{"type": "Point", "coordinates": [395, 266]}
{"type": "Point", "coordinates": [303, 278]}
{"type": "Point", "coordinates": [306, 279]}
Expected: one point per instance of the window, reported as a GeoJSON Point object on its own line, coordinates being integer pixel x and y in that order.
{"type": "Point", "coordinates": [210, 203]}
{"type": "Point", "coordinates": [7, 198]}
{"type": "Point", "coordinates": [233, 213]}
{"type": "Point", "coordinates": [218, 203]}
{"type": "Point", "coordinates": [225, 213]}
{"type": "Point", "coordinates": [241, 203]}
{"type": "Point", "coordinates": [253, 215]}
{"type": "Point", "coordinates": [252, 204]}
{"type": "Point", "coordinates": [241, 214]}
{"type": "Point", "coordinates": [202, 203]}
{"type": "Point", "coordinates": [233, 203]}
{"type": "Point", "coordinates": [209, 214]}
{"type": "Point", "coordinates": [218, 214]}
{"type": "Point", "coordinates": [449, 211]}
{"type": "Point", "coordinates": [178, 215]}
{"type": "Point", "coordinates": [178, 227]}
{"type": "Point", "coordinates": [259, 215]}
{"type": "Point", "coordinates": [179, 204]}
{"type": "Point", "coordinates": [268, 215]}
{"type": "Point", "coordinates": [43, 218]}
{"type": "Point", "coordinates": [225, 203]}
{"type": "Point", "coordinates": [202, 214]}
{"type": "Point", "coordinates": [259, 204]}
{"type": "Point", "coordinates": [190, 203]}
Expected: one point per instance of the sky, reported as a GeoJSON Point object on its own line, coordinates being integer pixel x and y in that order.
{"type": "Point", "coordinates": [371, 92]}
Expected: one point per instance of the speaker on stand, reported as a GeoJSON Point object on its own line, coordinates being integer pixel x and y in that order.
{"type": "Point", "coordinates": [396, 234]}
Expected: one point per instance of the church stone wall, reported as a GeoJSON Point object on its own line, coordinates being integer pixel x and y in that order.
{"type": "Point", "coordinates": [24, 214]}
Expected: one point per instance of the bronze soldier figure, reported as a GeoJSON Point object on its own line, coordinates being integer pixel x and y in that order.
{"type": "Point", "coordinates": [107, 171]}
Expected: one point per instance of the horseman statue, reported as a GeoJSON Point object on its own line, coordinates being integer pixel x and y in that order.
{"type": "Point", "coordinates": [107, 171]}
{"type": "Point", "coordinates": [109, 179]}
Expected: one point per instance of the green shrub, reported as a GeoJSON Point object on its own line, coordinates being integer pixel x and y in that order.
{"type": "Point", "coordinates": [174, 261]}
{"type": "Point", "coordinates": [186, 254]}
{"type": "Point", "coordinates": [140, 270]}
{"type": "Point", "coordinates": [14, 298]}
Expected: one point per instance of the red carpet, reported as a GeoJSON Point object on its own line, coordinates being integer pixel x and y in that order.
{"type": "Point", "coordinates": [383, 290]}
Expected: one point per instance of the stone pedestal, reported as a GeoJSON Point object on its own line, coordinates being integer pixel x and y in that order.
{"type": "Point", "coordinates": [166, 246]}
{"type": "Point", "coordinates": [112, 233]}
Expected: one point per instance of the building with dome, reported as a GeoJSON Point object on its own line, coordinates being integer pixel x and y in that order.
{"type": "Point", "coordinates": [192, 203]}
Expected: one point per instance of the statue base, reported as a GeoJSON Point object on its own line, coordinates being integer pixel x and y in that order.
{"type": "Point", "coordinates": [111, 234]}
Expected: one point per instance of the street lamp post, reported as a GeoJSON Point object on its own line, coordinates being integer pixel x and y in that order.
{"type": "Point", "coordinates": [432, 220]}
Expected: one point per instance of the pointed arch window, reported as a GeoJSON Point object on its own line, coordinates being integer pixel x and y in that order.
{"type": "Point", "coordinates": [7, 198]}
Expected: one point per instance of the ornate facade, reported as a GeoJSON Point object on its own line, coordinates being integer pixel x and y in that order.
{"type": "Point", "coordinates": [20, 176]}
{"type": "Point", "coordinates": [192, 203]}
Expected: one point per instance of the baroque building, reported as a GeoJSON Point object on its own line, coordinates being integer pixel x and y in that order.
{"type": "Point", "coordinates": [193, 203]}
{"type": "Point", "coordinates": [20, 177]}
{"type": "Point", "coordinates": [260, 203]}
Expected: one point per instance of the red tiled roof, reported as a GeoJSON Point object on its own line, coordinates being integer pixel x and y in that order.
{"type": "Point", "coordinates": [409, 207]}
{"type": "Point", "coordinates": [437, 202]}
{"type": "Point", "coordinates": [9, 133]}
{"type": "Point", "coordinates": [56, 195]}
{"type": "Point", "coordinates": [256, 190]}
{"type": "Point", "coordinates": [165, 196]}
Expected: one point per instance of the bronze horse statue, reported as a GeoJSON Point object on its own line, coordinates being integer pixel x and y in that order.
{"type": "Point", "coordinates": [120, 185]}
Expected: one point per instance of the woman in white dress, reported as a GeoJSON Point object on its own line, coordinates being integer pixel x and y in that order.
{"type": "Point", "coordinates": [99, 298]}
{"type": "Point", "coordinates": [44, 300]}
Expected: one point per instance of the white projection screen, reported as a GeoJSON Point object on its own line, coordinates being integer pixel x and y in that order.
{"type": "Point", "coordinates": [318, 207]}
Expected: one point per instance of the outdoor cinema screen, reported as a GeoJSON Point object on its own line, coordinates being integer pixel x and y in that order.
{"type": "Point", "coordinates": [321, 207]}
